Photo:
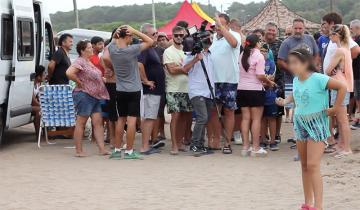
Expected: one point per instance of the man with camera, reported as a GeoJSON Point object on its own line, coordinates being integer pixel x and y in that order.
{"type": "Point", "coordinates": [177, 98]}
{"type": "Point", "coordinates": [199, 90]}
{"type": "Point", "coordinates": [124, 57]}
{"type": "Point", "coordinates": [225, 52]}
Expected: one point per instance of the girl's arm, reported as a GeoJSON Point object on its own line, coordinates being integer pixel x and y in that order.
{"type": "Point", "coordinates": [335, 60]}
{"type": "Point", "coordinates": [340, 87]}
{"type": "Point", "coordinates": [283, 102]}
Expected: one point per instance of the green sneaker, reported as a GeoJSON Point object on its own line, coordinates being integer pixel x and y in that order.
{"type": "Point", "coordinates": [115, 155]}
{"type": "Point", "coordinates": [133, 156]}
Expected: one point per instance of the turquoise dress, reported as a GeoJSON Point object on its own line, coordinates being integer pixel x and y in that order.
{"type": "Point", "coordinates": [311, 98]}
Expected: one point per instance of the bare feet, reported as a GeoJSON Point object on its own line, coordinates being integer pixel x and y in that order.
{"type": "Point", "coordinates": [104, 153]}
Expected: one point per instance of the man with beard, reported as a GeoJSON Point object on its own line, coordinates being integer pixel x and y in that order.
{"type": "Point", "coordinates": [177, 97]}
{"type": "Point", "coordinates": [297, 40]}
{"type": "Point", "coordinates": [271, 31]}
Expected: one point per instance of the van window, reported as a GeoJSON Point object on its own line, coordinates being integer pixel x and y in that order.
{"type": "Point", "coordinates": [49, 43]}
{"type": "Point", "coordinates": [7, 34]}
{"type": "Point", "coordinates": [25, 39]}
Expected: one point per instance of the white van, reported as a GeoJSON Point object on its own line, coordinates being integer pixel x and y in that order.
{"type": "Point", "coordinates": [26, 40]}
{"type": "Point", "coordinates": [82, 34]}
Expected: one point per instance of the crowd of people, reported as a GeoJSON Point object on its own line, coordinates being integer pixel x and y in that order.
{"type": "Point", "coordinates": [239, 88]}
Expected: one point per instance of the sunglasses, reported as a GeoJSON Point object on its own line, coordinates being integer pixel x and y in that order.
{"type": "Point", "coordinates": [179, 35]}
{"type": "Point", "coordinates": [155, 33]}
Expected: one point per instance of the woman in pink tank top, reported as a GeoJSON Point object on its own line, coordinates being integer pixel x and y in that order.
{"type": "Point", "coordinates": [340, 69]}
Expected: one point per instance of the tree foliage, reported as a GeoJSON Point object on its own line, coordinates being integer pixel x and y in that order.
{"type": "Point", "coordinates": [106, 18]}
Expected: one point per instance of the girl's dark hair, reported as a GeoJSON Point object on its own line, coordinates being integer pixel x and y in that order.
{"type": "Point", "coordinates": [305, 57]}
{"type": "Point", "coordinates": [81, 46]}
{"type": "Point", "coordinates": [39, 70]}
{"type": "Point", "coordinates": [250, 43]}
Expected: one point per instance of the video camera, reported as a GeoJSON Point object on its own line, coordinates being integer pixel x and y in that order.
{"type": "Point", "coordinates": [200, 37]}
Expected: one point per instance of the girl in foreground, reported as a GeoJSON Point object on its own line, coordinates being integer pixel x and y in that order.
{"type": "Point", "coordinates": [311, 121]}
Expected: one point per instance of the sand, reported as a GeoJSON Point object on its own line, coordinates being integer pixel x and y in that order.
{"type": "Point", "coordinates": [50, 178]}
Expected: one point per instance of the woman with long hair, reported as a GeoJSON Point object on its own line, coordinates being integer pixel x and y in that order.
{"type": "Point", "coordinates": [340, 68]}
{"type": "Point", "coordinates": [251, 95]}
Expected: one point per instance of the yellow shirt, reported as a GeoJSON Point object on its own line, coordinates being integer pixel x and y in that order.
{"type": "Point", "coordinates": [175, 83]}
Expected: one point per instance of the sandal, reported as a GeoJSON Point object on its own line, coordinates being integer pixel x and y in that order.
{"type": "Point", "coordinates": [227, 150]}
{"type": "Point", "coordinates": [330, 149]}
{"type": "Point", "coordinates": [260, 153]}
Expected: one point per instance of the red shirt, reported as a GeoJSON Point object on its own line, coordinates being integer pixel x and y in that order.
{"type": "Point", "coordinates": [96, 61]}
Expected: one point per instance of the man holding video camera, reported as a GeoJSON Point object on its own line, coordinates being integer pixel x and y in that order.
{"type": "Point", "coordinates": [199, 91]}
{"type": "Point", "coordinates": [225, 52]}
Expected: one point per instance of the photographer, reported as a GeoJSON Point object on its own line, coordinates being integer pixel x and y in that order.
{"type": "Point", "coordinates": [225, 51]}
{"type": "Point", "coordinates": [199, 92]}
{"type": "Point", "coordinates": [124, 57]}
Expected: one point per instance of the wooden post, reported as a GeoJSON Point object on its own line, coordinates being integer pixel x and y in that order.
{"type": "Point", "coordinates": [76, 13]}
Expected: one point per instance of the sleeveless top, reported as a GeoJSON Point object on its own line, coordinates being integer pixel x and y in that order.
{"type": "Point", "coordinates": [343, 71]}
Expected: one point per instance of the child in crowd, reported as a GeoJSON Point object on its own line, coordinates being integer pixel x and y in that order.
{"type": "Point", "coordinates": [270, 107]}
{"type": "Point", "coordinates": [35, 103]}
{"type": "Point", "coordinates": [311, 121]}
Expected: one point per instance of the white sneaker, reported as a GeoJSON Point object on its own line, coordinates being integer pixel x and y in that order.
{"type": "Point", "coordinates": [237, 138]}
{"type": "Point", "coordinates": [260, 153]}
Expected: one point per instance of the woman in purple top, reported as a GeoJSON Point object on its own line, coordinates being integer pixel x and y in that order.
{"type": "Point", "coordinates": [90, 89]}
{"type": "Point", "coordinates": [251, 95]}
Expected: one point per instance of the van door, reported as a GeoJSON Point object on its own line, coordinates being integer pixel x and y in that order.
{"type": "Point", "coordinates": [23, 65]}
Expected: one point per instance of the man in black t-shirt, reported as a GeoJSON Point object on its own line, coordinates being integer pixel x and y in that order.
{"type": "Point", "coordinates": [153, 78]}
{"type": "Point", "coordinates": [60, 61]}
{"type": "Point", "coordinates": [355, 30]}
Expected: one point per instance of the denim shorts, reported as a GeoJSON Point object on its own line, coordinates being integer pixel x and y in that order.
{"type": "Point", "coordinates": [86, 105]}
{"type": "Point", "coordinates": [333, 94]}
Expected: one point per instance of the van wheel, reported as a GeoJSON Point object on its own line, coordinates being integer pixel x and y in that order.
{"type": "Point", "coordinates": [2, 125]}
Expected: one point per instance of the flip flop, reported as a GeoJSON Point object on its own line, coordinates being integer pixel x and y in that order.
{"type": "Point", "coordinates": [80, 155]}
{"type": "Point", "coordinates": [150, 151]}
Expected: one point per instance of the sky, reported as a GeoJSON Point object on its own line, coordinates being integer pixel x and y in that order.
{"type": "Point", "coordinates": [67, 5]}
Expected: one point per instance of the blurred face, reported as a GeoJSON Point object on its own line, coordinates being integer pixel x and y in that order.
{"type": "Point", "coordinates": [88, 51]}
{"type": "Point", "coordinates": [67, 43]}
{"type": "Point", "coordinates": [296, 66]}
{"type": "Point", "coordinates": [270, 33]}
{"type": "Point", "coordinates": [298, 29]}
{"type": "Point", "coordinates": [288, 31]}
{"type": "Point", "coordinates": [178, 37]}
{"type": "Point", "coordinates": [41, 78]}
{"type": "Point", "coordinates": [162, 42]}
{"type": "Point", "coordinates": [325, 28]}
{"type": "Point", "coordinates": [355, 30]}
{"type": "Point", "coordinates": [99, 47]}
{"type": "Point", "coordinates": [235, 27]}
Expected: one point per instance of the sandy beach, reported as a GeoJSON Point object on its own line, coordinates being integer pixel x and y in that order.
{"type": "Point", "coordinates": [51, 178]}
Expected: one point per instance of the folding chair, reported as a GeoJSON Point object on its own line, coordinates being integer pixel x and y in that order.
{"type": "Point", "coordinates": [56, 108]}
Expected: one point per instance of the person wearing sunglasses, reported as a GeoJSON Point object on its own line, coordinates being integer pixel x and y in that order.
{"type": "Point", "coordinates": [153, 79]}
{"type": "Point", "coordinates": [340, 68]}
{"type": "Point", "coordinates": [177, 97]}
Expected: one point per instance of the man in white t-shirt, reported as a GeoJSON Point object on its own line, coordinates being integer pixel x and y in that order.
{"type": "Point", "coordinates": [225, 51]}
{"type": "Point", "coordinates": [177, 97]}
